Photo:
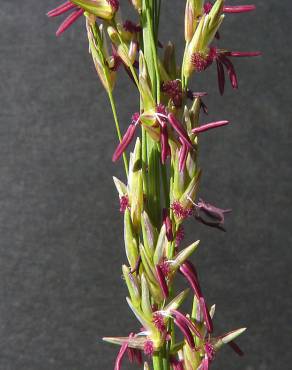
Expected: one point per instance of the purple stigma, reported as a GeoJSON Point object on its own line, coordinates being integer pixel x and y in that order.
{"type": "Point", "coordinates": [159, 322]}
{"type": "Point", "coordinates": [180, 211]}
{"type": "Point", "coordinates": [148, 347]}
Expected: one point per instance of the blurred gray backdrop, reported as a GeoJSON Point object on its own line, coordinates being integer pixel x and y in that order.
{"type": "Point", "coordinates": [61, 242]}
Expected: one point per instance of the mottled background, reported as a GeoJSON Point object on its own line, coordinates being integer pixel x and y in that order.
{"type": "Point", "coordinates": [61, 230]}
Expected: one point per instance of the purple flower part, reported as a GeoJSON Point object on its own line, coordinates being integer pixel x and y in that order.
{"type": "Point", "coordinates": [148, 348]}
{"type": "Point", "coordinates": [230, 8]}
{"type": "Point", "coordinates": [117, 59]}
{"type": "Point", "coordinates": [210, 351]}
{"type": "Point", "coordinates": [242, 54]}
{"type": "Point", "coordinates": [120, 356]}
{"type": "Point", "coordinates": [214, 224]}
{"type": "Point", "coordinates": [176, 364]}
{"type": "Point", "coordinates": [126, 140]}
{"type": "Point", "coordinates": [131, 355]}
{"type": "Point", "coordinates": [135, 119]}
{"type": "Point", "coordinates": [69, 21]}
{"type": "Point", "coordinates": [160, 108]}
{"type": "Point", "coordinates": [124, 203]}
{"type": "Point", "coordinates": [192, 95]}
{"type": "Point", "coordinates": [134, 355]}
{"type": "Point", "coordinates": [138, 356]}
{"type": "Point", "coordinates": [114, 4]}
{"type": "Point", "coordinates": [180, 234]}
{"type": "Point", "coordinates": [162, 281]}
{"type": "Point", "coordinates": [206, 315]}
{"type": "Point", "coordinates": [212, 211]}
{"type": "Point", "coordinates": [209, 126]}
{"type": "Point", "coordinates": [186, 332]}
{"type": "Point", "coordinates": [204, 107]}
{"type": "Point", "coordinates": [204, 364]}
{"type": "Point", "coordinates": [61, 9]}
{"type": "Point", "coordinates": [168, 225]}
{"type": "Point", "coordinates": [207, 7]}
{"type": "Point", "coordinates": [200, 61]}
{"type": "Point", "coordinates": [180, 211]}
{"type": "Point", "coordinates": [221, 76]}
{"type": "Point", "coordinates": [236, 348]}
{"type": "Point", "coordinates": [230, 69]}
{"type": "Point", "coordinates": [136, 267]}
{"type": "Point", "coordinates": [158, 321]}
{"type": "Point", "coordinates": [165, 267]}
{"type": "Point", "coordinates": [187, 322]}
{"type": "Point", "coordinates": [165, 148]}
{"type": "Point", "coordinates": [174, 91]}
{"type": "Point", "coordinates": [238, 9]}
{"type": "Point", "coordinates": [131, 27]}
{"type": "Point", "coordinates": [180, 130]}
{"type": "Point", "coordinates": [192, 279]}
{"type": "Point", "coordinates": [183, 155]}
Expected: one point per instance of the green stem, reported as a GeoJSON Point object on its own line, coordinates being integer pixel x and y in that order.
{"type": "Point", "coordinates": [113, 106]}
{"type": "Point", "coordinates": [157, 361]}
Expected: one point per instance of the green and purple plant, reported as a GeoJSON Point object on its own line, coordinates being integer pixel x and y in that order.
{"type": "Point", "coordinates": [162, 172]}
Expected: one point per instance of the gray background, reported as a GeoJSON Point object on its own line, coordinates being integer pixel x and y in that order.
{"type": "Point", "coordinates": [61, 231]}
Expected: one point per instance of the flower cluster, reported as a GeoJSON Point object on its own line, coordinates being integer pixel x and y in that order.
{"type": "Point", "coordinates": [162, 170]}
